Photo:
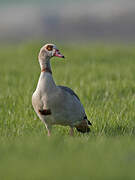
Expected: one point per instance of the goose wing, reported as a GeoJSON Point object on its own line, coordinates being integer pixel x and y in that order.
{"type": "Point", "coordinates": [70, 91]}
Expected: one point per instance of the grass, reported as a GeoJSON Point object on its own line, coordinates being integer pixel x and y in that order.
{"type": "Point", "coordinates": [103, 77]}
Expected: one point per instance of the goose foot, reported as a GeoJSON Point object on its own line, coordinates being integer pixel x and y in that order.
{"type": "Point", "coordinates": [71, 131]}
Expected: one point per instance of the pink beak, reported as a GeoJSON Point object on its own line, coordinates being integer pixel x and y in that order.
{"type": "Point", "coordinates": [58, 54]}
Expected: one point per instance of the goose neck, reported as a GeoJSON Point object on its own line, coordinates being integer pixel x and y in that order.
{"type": "Point", "coordinates": [45, 65]}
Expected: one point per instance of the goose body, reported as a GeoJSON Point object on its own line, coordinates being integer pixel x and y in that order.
{"type": "Point", "coordinates": [57, 105]}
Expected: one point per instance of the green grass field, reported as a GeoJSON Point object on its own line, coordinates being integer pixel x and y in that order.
{"type": "Point", "coordinates": [104, 78]}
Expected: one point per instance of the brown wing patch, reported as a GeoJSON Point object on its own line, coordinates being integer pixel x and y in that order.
{"type": "Point", "coordinates": [45, 112]}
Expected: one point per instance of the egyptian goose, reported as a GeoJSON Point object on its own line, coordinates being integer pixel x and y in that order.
{"type": "Point", "coordinates": [57, 104]}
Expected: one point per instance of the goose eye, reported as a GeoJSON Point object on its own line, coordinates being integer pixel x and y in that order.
{"type": "Point", "coordinates": [49, 48]}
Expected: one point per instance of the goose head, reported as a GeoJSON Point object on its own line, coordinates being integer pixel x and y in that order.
{"type": "Point", "coordinates": [48, 51]}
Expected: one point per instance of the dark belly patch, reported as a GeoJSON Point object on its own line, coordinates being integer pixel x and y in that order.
{"type": "Point", "coordinates": [45, 112]}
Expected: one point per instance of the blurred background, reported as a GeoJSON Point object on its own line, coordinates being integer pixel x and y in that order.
{"type": "Point", "coordinates": [67, 21]}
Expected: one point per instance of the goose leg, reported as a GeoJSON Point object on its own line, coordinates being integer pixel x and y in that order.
{"type": "Point", "coordinates": [71, 131]}
{"type": "Point", "coordinates": [49, 132]}
{"type": "Point", "coordinates": [48, 127]}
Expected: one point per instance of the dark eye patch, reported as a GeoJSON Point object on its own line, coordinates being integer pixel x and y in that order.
{"type": "Point", "coordinates": [49, 48]}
